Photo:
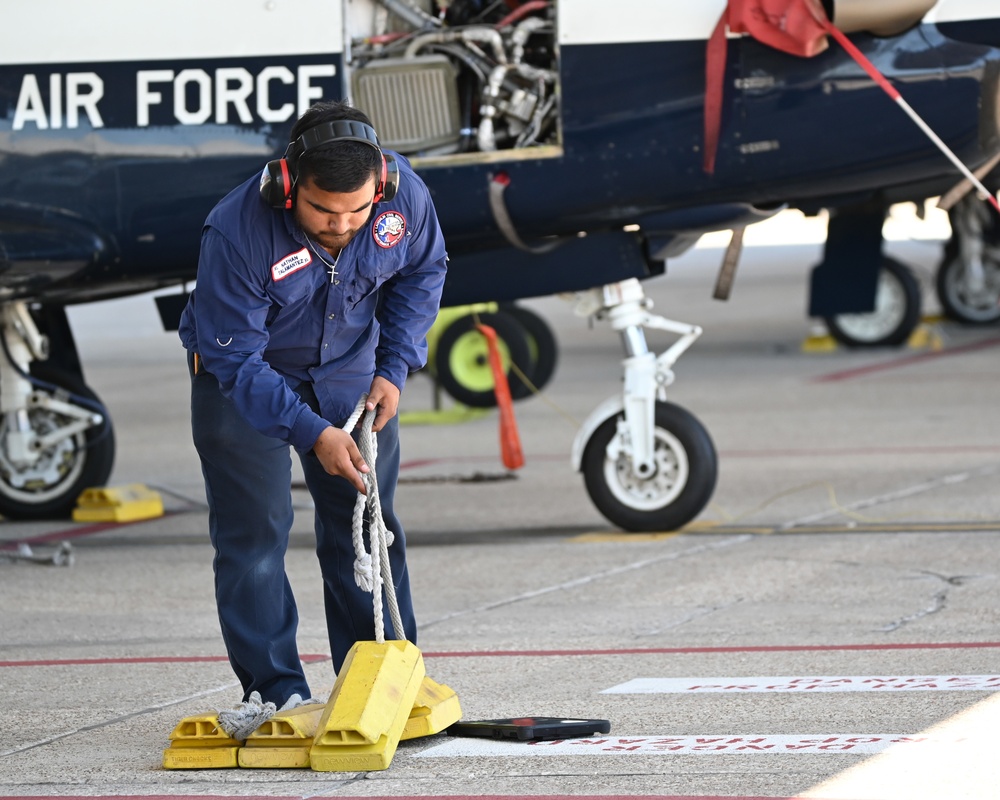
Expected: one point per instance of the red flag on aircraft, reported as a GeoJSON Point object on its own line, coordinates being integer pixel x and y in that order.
{"type": "Point", "coordinates": [792, 26]}
{"type": "Point", "coordinates": [797, 27]}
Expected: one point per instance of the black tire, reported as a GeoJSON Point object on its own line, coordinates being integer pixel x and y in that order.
{"type": "Point", "coordinates": [542, 346]}
{"type": "Point", "coordinates": [66, 469]}
{"type": "Point", "coordinates": [461, 361]}
{"type": "Point", "coordinates": [896, 316]}
{"type": "Point", "coordinates": [957, 302]}
{"type": "Point", "coordinates": [686, 471]}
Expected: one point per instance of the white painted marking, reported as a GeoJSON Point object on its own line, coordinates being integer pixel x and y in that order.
{"type": "Point", "coordinates": [57, 31]}
{"type": "Point", "coordinates": [812, 684]}
{"type": "Point", "coordinates": [860, 744]}
{"type": "Point", "coordinates": [959, 10]}
{"type": "Point", "coordinates": [594, 22]}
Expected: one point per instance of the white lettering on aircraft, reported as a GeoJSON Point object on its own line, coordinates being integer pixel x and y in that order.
{"type": "Point", "coordinates": [193, 96]}
{"type": "Point", "coordinates": [83, 91]}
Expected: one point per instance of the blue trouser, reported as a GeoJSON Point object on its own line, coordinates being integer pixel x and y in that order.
{"type": "Point", "coordinates": [248, 484]}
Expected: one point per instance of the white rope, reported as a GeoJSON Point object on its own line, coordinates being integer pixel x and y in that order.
{"type": "Point", "coordinates": [372, 571]}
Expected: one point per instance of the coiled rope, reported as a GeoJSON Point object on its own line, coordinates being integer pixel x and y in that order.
{"type": "Point", "coordinates": [372, 571]}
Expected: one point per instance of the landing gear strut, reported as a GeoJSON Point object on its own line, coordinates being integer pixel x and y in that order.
{"type": "Point", "coordinates": [55, 437]}
{"type": "Point", "coordinates": [648, 465]}
{"type": "Point", "coordinates": [968, 279]}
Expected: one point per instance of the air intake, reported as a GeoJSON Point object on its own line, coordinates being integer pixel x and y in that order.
{"type": "Point", "coordinates": [412, 102]}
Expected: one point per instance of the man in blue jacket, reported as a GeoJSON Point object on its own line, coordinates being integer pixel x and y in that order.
{"type": "Point", "coordinates": [317, 282]}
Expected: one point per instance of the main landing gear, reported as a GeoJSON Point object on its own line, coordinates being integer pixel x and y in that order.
{"type": "Point", "coordinates": [459, 354]}
{"type": "Point", "coordinates": [895, 317]}
{"type": "Point", "coordinates": [56, 438]}
{"type": "Point", "coordinates": [648, 465]}
{"type": "Point", "coordinates": [968, 279]}
{"type": "Point", "coordinates": [865, 298]}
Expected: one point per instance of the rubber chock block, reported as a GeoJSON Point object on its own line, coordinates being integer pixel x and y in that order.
{"type": "Point", "coordinates": [283, 741]}
{"type": "Point", "coordinates": [118, 504]}
{"type": "Point", "coordinates": [368, 708]}
{"type": "Point", "coordinates": [819, 344]}
{"type": "Point", "coordinates": [199, 743]}
{"type": "Point", "coordinates": [435, 708]}
{"type": "Point", "coordinates": [925, 337]}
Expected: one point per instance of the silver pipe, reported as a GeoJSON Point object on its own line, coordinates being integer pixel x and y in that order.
{"type": "Point", "coordinates": [415, 17]}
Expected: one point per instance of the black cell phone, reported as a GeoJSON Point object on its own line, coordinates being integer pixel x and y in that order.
{"type": "Point", "coordinates": [527, 728]}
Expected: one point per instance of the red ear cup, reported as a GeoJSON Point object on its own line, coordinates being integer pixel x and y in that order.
{"type": "Point", "coordinates": [390, 179]}
{"type": "Point", "coordinates": [380, 186]}
{"type": "Point", "coordinates": [276, 184]}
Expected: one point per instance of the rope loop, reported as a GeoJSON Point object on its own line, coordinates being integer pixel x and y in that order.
{"type": "Point", "coordinates": [372, 571]}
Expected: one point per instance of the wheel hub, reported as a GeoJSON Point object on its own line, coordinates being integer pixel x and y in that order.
{"type": "Point", "coordinates": [661, 486]}
{"type": "Point", "coordinates": [53, 465]}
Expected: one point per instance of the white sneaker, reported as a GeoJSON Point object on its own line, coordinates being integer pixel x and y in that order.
{"type": "Point", "coordinates": [296, 700]}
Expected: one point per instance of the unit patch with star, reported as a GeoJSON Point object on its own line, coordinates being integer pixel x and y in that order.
{"type": "Point", "coordinates": [388, 228]}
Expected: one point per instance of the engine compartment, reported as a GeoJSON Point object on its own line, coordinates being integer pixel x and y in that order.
{"type": "Point", "coordinates": [446, 78]}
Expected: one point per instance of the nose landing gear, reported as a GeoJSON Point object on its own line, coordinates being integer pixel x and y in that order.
{"type": "Point", "coordinates": [648, 465]}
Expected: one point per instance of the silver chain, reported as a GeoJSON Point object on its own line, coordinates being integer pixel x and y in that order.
{"type": "Point", "coordinates": [319, 255]}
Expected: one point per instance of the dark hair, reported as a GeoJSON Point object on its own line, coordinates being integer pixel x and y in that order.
{"type": "Point", "coordinates": [339, 166]}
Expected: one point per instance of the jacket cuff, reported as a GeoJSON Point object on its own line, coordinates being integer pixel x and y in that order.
{"type": "Point", "coordinates": [394, 370]}
{"type": "Point", "coordinates": [306, 430]}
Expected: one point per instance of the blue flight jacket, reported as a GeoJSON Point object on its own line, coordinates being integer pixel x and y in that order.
{"type": "Point", "coordinates": [266, 315]}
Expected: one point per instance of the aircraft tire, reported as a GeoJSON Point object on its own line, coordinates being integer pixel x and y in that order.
{"type": "Point", "coordinates": [957, 299]}
{"type": "Point", "coordinates": [896, 314]}
{"type": "Point", "coordinates": [543, 348]}
{"type": "Point", "coordinates": [686, 469]}
{"type": "Point", "coordinates": [67, 468]}
{"type": "Point", "coordinates": [461, 360]}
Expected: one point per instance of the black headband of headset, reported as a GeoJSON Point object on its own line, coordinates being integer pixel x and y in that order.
{"type": "Point", "coordinates": [340, 130]}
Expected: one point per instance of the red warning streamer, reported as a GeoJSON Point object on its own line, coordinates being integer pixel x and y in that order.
{"type": "Point", "coordinates": [510, 439]}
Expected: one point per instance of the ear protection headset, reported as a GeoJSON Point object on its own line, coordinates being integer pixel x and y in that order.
{"type": "Point", "coordinates": [279, 176]}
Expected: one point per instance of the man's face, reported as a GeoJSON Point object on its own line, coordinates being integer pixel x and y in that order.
{"type": "Point", "coordinates": [331, 219]}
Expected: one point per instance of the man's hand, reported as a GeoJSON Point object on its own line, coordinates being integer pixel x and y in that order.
{"type": "Point", "coordinates": [383, 395]}
{"type": "Point", "coordinates": [339, 455]}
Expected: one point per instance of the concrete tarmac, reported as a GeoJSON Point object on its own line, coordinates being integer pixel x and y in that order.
{"type": "Point", "coordinates": [829, 627]}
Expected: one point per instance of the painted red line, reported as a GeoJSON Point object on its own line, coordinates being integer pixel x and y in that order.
{"type": "Point", "coordinates": [310, 658]}
{"type": "Point", "coordinates": [951, 449]}
{"type": "Point", "coordinates": [694, 650]}
{"type": "Point", "coordinates": [67, 533]}
{"type": "Point", "coordinates": [419, 462]}
{"type": "Point", "coordinates": [76, 531]}
{"type": "Point", "coordinates": [427, 462]}
{"type": "Point", "coordinates": [906, 361]}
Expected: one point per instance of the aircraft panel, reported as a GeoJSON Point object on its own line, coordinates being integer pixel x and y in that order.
{"type": "Point", "coordinates": [178, 29]}
{"type": "Point", "coordinates": [957, 10]}
{"type": "Point", "coordinates": [589, 22]}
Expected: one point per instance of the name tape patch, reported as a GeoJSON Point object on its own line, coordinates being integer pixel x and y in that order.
{"type": "Point", "coordinates": [293, 262]}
